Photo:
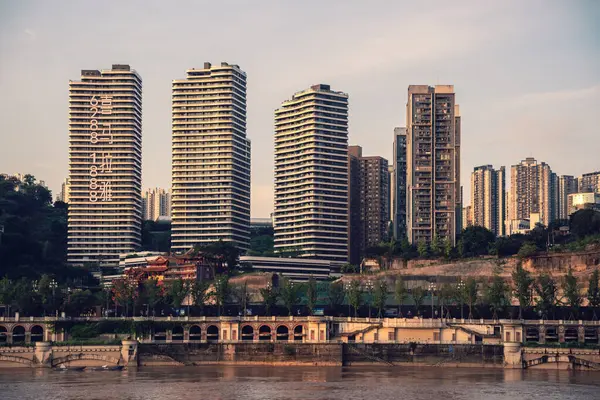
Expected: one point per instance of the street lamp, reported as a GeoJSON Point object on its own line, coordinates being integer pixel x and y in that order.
{"type": "Point", "coordinates": [53, 286]}
{"type": "Point", "coordinates": [370, 291]}
{"type": "Point", "coordinates": [432, 291]}
{"type": "Point", "coordinates": [347, 289]}
{"type": "Point", "coordinates": [461, 289]}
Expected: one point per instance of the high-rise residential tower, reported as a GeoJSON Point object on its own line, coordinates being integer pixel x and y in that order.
{"type": "Point", "coordinates": [156, 203]}
{"type": "Point", "coordinates": [398, 184]}
{"type": "Point", "coordinates": [566, 185]}
{"type": "Point", "coordinates": [105, 165]}
{"type": "Point", "coordinates": [369, 200]}
{"type": "Point", "coordinates": [210, 189]}
{"type": "Point", "coordinates": [589, 182]}
{"type": "Point", "coordinates": [532, 191]}
{"type": "Point", "coordinates": [487, 198]}
{"type": "Point", "coordinates": [433, 164]}
{"type": "Point", "coordinates": [311, 174]}
{"type": "Point", "coordinates": [63, 195]}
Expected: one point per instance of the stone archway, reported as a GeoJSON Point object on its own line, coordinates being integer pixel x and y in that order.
{"type": "Point", "coordinates": [15, 359]}
{"type": "Point", "coordinates": [177, 334]}
{"type": "Point", "coordinates": [3, 334]}
{"type": "Point", "coordinates": [195, 333]}
{"type": "Point", "coordinates": [84, 356]}
{"type": "Point", "coordinates": [532, 334]}
{"type": "Point", "coordinates": [37, 334]}
{"type": "Point", "coordinates": [264, 333]}
{"type": "Point", "coordinates": [247, 333]}
{"type": "Point", "coordinates": [298, 332]}
{"type": "Point", "coordinates": [282, 333]}
{"type": "Point", "coordinates": [212, 333]}
{"type": "Point", "coordinates": [18, 334]}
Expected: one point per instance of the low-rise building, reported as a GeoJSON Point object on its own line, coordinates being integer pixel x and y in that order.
{"type": "Point", "coordinates": [293, 268]}
{"type": "Point", "coordinates": [580, 201]}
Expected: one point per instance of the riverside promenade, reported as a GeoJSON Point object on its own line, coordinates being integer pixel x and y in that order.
{"type": "Point", "coordinates": [132, 342]}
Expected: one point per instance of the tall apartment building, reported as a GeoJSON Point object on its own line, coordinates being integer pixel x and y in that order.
{"type": "Point", "coordinates": [156, 203]}
{"type": "Point", "coordinates": [105, 165]}
{"type": "Point", "coordinates": [467, 216]}
{"type": "Point", "coordinates": [355, 247]}
{"type": "Point", "coordinates": [311, 174]}
{"type": "Point", "coordinates": [433, 164]}
{"type": "Point", "coordinates": [566, 185]}
{"type": "Point", "coordinates": [370, 182]}
{"type": "Point", "coordinates": [487, 198]}
{"type": "Point", "coordinates": [210, 189]}
{"type": "Point", "coordinates": [63, 195]}
{"type": "Point", "coordinates": [533, 188]}
{"type": "Point", "coordinates": [589, 182]}
{"type": "Point", "coordinates": [398, 184]}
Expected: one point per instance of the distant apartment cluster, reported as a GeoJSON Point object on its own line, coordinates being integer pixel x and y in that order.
{"type": "Point", "coordinates": [331, 202]}
{"type": "Point", "coordinates": [536, 195]}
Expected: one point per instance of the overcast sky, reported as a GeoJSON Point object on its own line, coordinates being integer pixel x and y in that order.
{"type": "Point", "coordinates": [526, 73]}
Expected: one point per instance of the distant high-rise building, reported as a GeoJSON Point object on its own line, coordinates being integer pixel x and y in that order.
{"type": "Point", "coordinates": [433, 164]}
{"type": "Point", "coordinates": [467, 216]}
{"type": "Point", "coordinates": [370, 183]}
{"type": "Point", "coordinates": [398, 184]}
{"type": "Point", "coordinates": [105, 165]}
{"type": "Point", "coordinates": [487, 198]}
{"type": "Point", "coordinates": [532, 191]}
{"type": "Point", "coordinates": [156, 203]}
{"type": "Point", "coordinates": [311, 174]}
{"type": "Point", "coordinates": [589, 182]}
{"type": "Point", "coordinates": [567, 185]}
{"type": "Point", "coordinates": [63, 195]}
{"type": "Point", "coordinates": [210, 190]}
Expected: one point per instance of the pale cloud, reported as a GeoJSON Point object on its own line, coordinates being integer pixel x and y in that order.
{"type": "Point", "coordinates": [557, 95]}
{"type": "Point", "coordinates": [30, 33]}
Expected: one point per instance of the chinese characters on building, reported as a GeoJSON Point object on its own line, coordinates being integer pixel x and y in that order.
{"type": "Point", "coordinates": [101, 166]}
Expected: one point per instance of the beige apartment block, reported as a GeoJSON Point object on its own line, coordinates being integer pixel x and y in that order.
{"type": "Point", "coordinates": [533, 190]}
{"type": "Point", "coordinates": [487, 198]}
{"type": "Point", "coordinates": [311, 174]}
{"type": "Point", "coordinates": [210, 189]}
{"type": "Point", "coordinates": [433, 164]}
{"type": "Point", "coordinates": [105, 166]}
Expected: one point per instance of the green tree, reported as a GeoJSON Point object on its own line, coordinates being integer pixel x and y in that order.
{"type": "Point", "coordinates": [447, 295]}
{"type": "Point", "coordinates": [546, 294]}
{"type": "Point", "coordinates": [475, 241]}
{"type": "Point", "coordinates": [355, 296]}
{"type": "Point", "coordinates": [495, 295]}
{"type": "Point", "coordinates": [222, 257]}
{"type": "Point", "coordinates": [221, 292]}
{"type": "Point", "coordinates": [380, 296]}
{"type": "Point", "coordinates": [269, 295]}
{"type": "Point", "coordinates": [289, 294]}
{"type": "Point", "coordinates": [523, 284]}
{"type": "Point", "coordinates": [471, 294]}
{"type": "Point", "coordinates": [335, 294]}
{"type": "Point", "coordinates": [418, 295]}
{"type": "Point", "coordinates": [447, 245]}
{"type": "Point", "coordinates": [177, 291]}
{"type": "Point", "coordinates": [152, 294]}
{"type": "Point", "coordinates": [199, 292]}
{"type": "Point", "coordinates": [243, 296]}
{"type": "Point", "coordinates": [436, 246]}
{"type": "Point", "coordinates": [400, 293]}
{"type": "Point", "coordinates": [593, 293]}
{"type": "Point", "coordinates": [570, 289]}
{"type": "Point", "coordinates": [527, 250]}
{"type": "Point", "coordinates": [423, 249]}
{"type": "Point", "coordinates": [311, 294]}
{"type": "Point", "coordinates": [80, 302]}
{"type": "Point", "coordinates": [584, 223]}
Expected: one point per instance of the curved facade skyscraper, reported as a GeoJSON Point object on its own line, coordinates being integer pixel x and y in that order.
{"type": "Point", "coordinates": [105, 166]}
{"type": "Point", "coordinates": [311, 175]}
{"type": "Point", "coordinates": [210, 188]}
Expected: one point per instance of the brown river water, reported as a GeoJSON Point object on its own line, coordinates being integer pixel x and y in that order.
{"type": "Point", "coordinates": [315, 383]}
